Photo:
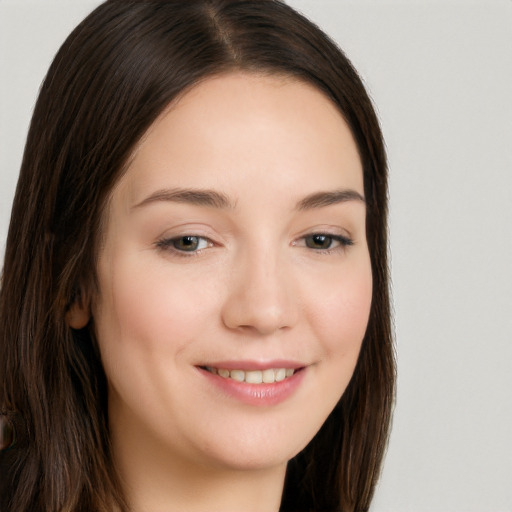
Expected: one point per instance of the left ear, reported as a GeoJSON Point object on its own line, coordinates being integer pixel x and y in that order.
{"type": "Point", "coordinates": [79, 314]}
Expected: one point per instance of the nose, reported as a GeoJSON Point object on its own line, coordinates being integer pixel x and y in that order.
{"type": "Point", "coordinates": [260, 298]}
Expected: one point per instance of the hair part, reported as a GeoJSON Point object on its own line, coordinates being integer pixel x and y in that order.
{"type": "Point", "coordinates": [113, 76]}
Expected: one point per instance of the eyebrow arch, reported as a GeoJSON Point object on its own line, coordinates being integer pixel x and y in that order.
{"type": "Point", "coordinates": [201, 197]}
{"type": "Point", "coordinates": [321, 199]}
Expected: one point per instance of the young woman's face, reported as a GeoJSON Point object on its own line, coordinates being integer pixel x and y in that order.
{"type": "Point", "coordinates": [234, 280]}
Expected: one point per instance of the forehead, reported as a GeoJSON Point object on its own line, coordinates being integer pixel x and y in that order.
{"type": "Point", "coordinates": [246, 129]}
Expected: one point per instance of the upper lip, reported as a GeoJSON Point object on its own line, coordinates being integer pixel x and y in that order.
{"type": "Point", "coordinates": [254, 365]}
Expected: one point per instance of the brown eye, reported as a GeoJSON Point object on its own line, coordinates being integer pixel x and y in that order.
{"type": "Point", "coordinates": [184, 244]}
{"type": "Point", "coordinates": [187, 243]}
{"type": "Point", "coordinates": [324, 242]}
{"type": "Point", "coordinates": [319, 241]}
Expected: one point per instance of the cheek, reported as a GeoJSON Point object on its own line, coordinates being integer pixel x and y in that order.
{"type": "Point", "coordinates": [146, 308]}
{"type": "Point", "coordinates": [341, 313]}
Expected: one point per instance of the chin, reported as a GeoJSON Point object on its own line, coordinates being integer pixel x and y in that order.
{"type": "Point", "coordinates": [258, 449]}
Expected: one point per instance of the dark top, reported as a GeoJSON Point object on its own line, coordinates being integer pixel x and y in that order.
{"type": "Point", "coordinates": [13, 440]}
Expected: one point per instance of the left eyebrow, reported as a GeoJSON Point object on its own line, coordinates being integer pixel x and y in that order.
{"type": "Point", "coordinates": [321, 199]}
{"type": "Point", "coordinates": [200, 197]}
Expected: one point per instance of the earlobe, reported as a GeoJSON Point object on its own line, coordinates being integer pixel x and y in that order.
{"type": "Point", "coordinates": [78, 315]}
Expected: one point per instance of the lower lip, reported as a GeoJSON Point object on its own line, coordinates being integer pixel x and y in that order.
{"type": "Point", "coordinates": [257, 394]}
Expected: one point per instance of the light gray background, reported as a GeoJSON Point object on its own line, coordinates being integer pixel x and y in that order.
{"type": "Point", "coordinates": [440, 73]}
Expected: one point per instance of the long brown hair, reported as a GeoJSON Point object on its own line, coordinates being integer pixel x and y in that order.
{"type": "Point", "coordinates": [112, 77]}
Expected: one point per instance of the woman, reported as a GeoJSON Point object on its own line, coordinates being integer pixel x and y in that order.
{"type": "Point", "coordinates": [194, 305]}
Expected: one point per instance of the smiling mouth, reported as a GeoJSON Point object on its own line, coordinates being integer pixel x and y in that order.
{"type": "Point", "coordinates": [268, 376]}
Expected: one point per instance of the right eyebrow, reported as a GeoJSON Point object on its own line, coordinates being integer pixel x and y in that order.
{"type": "Point", "coordinates": [201, 197]}
{"type": "Point", "coordinates": [321, 199]}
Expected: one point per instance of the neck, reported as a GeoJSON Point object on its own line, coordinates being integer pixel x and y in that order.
{"type": "Point", "coordinates": [181, 489]}
{"type": "Point", "coordinates": [227, 492]}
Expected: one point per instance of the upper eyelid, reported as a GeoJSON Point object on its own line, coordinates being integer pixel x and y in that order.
{"type": "Point", "coordinates": [333, 231]}
{"type": "Point", "coordinates": [183, 231]}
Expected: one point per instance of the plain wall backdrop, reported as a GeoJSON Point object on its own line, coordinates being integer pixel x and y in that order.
{"type": "Point", "coordinates": [440, 73]}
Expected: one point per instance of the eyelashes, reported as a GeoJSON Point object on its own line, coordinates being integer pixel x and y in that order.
{"type": "Point", "coordinates": [187, 245]}
{"type": "Point", "coordinates": [193, 245]}
{"type": "Point", "coordinates": [325, 242]}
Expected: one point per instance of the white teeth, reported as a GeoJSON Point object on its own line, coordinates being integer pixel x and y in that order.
{"type": "Point", "coordinates": [238, 375]}
{"type": "Point", "coordinates": [254, 377]}
{"type": "Point", "coordinates": [268, 376]}
{"type": "Point", "coordinates": [280, 374]}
